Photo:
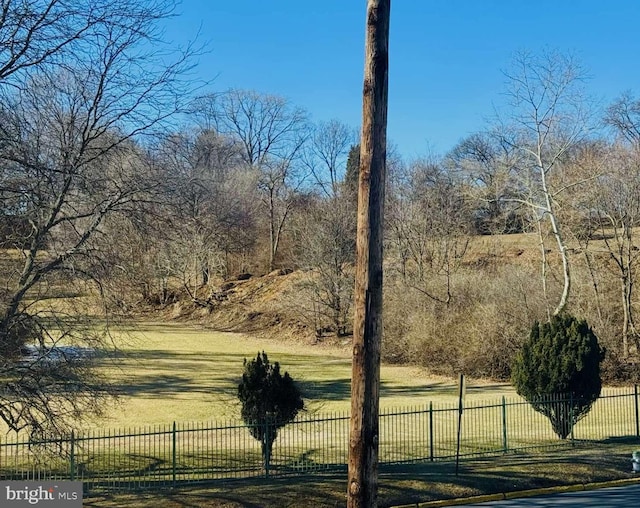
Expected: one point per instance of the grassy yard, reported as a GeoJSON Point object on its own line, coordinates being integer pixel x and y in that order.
{"type": "Point", "coordinates": [175, 372]}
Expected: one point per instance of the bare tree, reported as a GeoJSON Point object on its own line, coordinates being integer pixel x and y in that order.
{"type": "Point", "coordinates": [612, 207]}
{"type": "Point", "coordinates": [271, 133]}
{"type": "Point", "coordinates": [619, 214]}
{"type": "Point", "coordinates": [34, 33]}
{"type": "Point", "coordinates": [70, 160]}
{"type": "Point", "coordinates": [617, 198]}
{"type": "Point", "coordinates": [211, 215]}
{"type": "Point", "coordinates": [326, 231]}
{"type": "Point", "coordinates": [429, 227]}
{"type": "Point", "coordinates": [548, 118]}
{"type": "Point", "coordinates": [327, 246]}
{"type": "Point", "coordinates": [326, 155]}
{"type": "Point", "coordinates": [587, 162]}
{"type": "Point", "coordinates": [624, 116]}
{"type": "Point", "coordinates": [486, 163]}
{"type": "Point", "coordinates": [267, 126]}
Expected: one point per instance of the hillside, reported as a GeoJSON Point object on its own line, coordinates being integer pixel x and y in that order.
{"type": "Point", "coordinates": [469, 316]}
{"type": "Point", "coordinates": [270, 304]}
{"type": "Point", "coordinates": [246, 303]}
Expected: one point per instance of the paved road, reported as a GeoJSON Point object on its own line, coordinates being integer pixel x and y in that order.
{"type": "Point", "coordinates": [614, 497]}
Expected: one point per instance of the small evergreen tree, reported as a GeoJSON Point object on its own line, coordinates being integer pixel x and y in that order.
{"type": "Point", "coordinates": [558, 371]}
{"type": "Point", "coordinates": [269, 400]}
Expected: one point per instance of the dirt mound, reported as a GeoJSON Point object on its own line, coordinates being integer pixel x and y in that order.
{"type": "Point", "coordinates": [248, 303]}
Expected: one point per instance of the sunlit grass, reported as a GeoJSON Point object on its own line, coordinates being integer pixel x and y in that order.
{"type": "Point", "coordinates": [175, 372]}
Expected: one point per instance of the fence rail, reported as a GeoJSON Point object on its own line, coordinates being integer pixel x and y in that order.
{"type": "Point", "coordinates": [182, 453]}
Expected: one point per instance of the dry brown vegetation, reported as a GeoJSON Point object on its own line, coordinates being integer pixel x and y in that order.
{"type": "Point", "coordinates": [496, 296]}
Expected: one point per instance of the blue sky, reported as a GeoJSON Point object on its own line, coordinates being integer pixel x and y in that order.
{"type": "Point", "coordinates": [446, 56]}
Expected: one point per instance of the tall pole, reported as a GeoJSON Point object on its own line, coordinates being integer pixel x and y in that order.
{"type": "Point", "coordinates": [362, 490]}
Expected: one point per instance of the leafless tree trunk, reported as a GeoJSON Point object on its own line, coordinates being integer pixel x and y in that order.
{"type": "Point", "coordinates": [208, 193]}
{"type": "Point", "coordinates": [544, 264]}
{"type": "Point", "coordinates": [617, 198]}
{"type": "Point", "coordinates": [327, 238]}
{"type": "Point", "coordinates": [279, 196]}
{"type": "Point", "coordinates": [486, 164]}
{"type": "Point", "coordinates": [549, 117]}
{"type": "Point", "coordinates": [429, 223]}
{"type": "Point", "coordinates": [362, 491]}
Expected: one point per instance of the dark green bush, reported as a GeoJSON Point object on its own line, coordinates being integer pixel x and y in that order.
{"type": "Point", "coordinates": [558, 371]}
{"type": "Point", "coordinates": [269, 400]}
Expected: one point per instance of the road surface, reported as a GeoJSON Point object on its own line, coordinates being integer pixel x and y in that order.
{"type": "Point", "coordinates": [612, 497]}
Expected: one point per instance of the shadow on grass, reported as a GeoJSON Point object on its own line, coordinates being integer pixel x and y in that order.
{"type": "Point", "coordinates": [340, 389]}
{"type": "Point", "coordinates": [423, 393]}
{"type": "Point", "coordinates": [330, 390]}
{"type": "Point", "coordinates": [406, 484]}
{"type": "Point", "coordinates": [486, 388]}
{"type": "Point", "coordinates": [321, 491]}
{"type": "Point", "coordinates": [161, 373]}
{"type": "Point", "coordinates": [164, 373]}
{"type": "Point", "coordinates": [401, 484]}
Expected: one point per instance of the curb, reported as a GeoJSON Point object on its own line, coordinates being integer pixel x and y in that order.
{"type": "Point", "coordinates": [485, 498]}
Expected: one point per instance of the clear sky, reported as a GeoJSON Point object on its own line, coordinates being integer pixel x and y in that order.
{"type": "Point", "coordinates": [446, 56]}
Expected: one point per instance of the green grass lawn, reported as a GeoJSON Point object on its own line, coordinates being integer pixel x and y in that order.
{"type": "Point", "coordinates": [176, 372]}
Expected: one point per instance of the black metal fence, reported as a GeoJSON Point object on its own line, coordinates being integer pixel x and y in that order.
{"type": "Point", "coordinates": [182, 453]}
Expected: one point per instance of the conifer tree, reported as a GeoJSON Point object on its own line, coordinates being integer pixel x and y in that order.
{"type": "Point", "coordinates": [558, 371]}
{"type": "Point", "coordinates": [269, 400]}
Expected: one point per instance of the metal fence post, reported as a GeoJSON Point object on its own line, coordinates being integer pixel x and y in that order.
{"type": "Point", "coordinates": [267, 449]}
{"type": "Point", "coordinates": [505, 447]}
{"type": "Point", "coordinates": [173, 455]}
{"type": "Point", "coordinates": [635, 403]}
{"type": "Point", "coordinates": [571, 422]}
{"type": "Point", "coordinates": [431, 431]}
{"type": "Point", "coordinates": [72, 458]}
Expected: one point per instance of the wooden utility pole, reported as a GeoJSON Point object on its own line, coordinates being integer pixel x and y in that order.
{"type": "Point", "coordinates": [362, 490]}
